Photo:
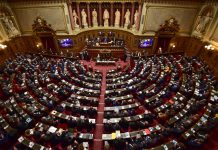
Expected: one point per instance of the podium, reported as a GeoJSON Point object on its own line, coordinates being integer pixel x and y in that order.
{"type": "Point", "coordinates": [105, 54]}
{"type": "Point", "coordinates": [106, 51]}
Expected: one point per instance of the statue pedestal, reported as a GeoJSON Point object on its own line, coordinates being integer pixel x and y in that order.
{"type": "Point", "coordinates": [125, 25]}
{"type": "Point", "coordinates": [95, 24]}
{"type": "Point", "coordinates": [134, 28]}
{"type": "Point", "coordinates": [106, 24]}
{"type": "Point", "coordinates": [76, 27]}
{"type": "Point", "coordinates": [117, 25]}
{"type": "Point", "coordinates": [85, 25]}
{"type": "Point", "coordinates": [197, 34]}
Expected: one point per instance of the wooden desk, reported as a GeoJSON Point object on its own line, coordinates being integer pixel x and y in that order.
{"type": "Point", "coordinates": [115, 52]}
{"type": "Point", "coordinates": [105, 63]}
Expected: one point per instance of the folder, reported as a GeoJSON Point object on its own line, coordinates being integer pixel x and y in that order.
{"type": "Point", "coordinates": [147, 131]}
{"type": "Point", "coordinates": [113, 135]}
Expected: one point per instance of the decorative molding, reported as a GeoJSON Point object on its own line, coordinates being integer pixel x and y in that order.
{"type": "Point", "coordinates": [170, 8]}
{"type": "Point", "coordinates": [40, 26]}
{"type": "Point", "coordinates": [14, 27]}
{"type": "Point", "coordinates": [203, 21]}
{"type": "Point", "coordinates": [96, 1]}
{"type": "Point", "coordinates": [33, 2]}
{"type": "Point", "coordinates": [170, 26]}
{"type": "Point", "coordinates": [21, 7]}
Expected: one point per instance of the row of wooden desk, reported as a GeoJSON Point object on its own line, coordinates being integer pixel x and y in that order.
{"type": "Point", "coordinates": [126, 135]}
{"type": "Point", "coordinates": [105, 63]}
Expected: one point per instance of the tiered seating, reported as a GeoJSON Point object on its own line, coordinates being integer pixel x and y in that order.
{"type": "Point", "coordinates": [172, 93]}
{"type": "Point", "coordinates": [162, 102]}
{"type": "Point", "coordinates": [59, 93]}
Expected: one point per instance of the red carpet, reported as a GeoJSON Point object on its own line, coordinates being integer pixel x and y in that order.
{"type": "Point", "coordinates": [98, 142]}
{"type": "Point", "coordinates": [212, 142]}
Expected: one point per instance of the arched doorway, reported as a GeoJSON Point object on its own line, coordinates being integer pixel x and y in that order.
{"type": "Point", "coordinates": [164, 35]}
{"type": "Point", "coordinates": [46, 35]}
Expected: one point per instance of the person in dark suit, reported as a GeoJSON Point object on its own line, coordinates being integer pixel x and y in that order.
{"type": "Point", "coordinates": [124, 123]}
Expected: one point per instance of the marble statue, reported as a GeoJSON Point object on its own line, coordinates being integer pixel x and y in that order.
{"type": "Point", "coordinates": [84, 16]}
{"type": "Point", "coordinates": [9, 26]}
{"type": "Point", "coordinates": [75, 17]}
{"type": "Point", "coordinates": [94, 18]}
{"type": "Point", "coordinates": [202, 23]}
{"type": "Point", "coordinates": [127, 19]}
{"type": "Point", "coordinates": [136, 19]}
{"type": "Point", "coordinates": [117, 18]}
{"type": "Point", "coordinates": [106, 18]}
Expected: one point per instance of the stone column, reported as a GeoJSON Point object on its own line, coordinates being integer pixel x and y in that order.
{"type": "Point", "coordinates": [78, 14]}
{"type": "Point", "coordinates": [71, 15]}
{"type": "Point", "coordinates": [100, 15]}
{"type": "Point", "coordinates": [140, 13]}
{"type": "Point", "coordinates": [132, 14]}
{"type": "Point", "coordinates": [112, 14]}
{"type": "Point", "coordinates": [89, 15]}
{"type": "Point", "coordinates": [122, 17]}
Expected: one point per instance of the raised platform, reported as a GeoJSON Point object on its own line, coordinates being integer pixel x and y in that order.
{"type": "Point", "coordinates": [114, 52]}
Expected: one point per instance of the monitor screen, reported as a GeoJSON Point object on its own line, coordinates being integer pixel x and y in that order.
{"type": "Point", "coordinates": [65, 43]}
{"type": "Point", "coordinates": [145, 43]}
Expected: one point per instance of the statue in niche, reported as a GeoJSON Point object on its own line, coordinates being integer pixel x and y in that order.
{"type": "Point", "coordinates": [106, 18]}
{"type": "Point", "coordinates": [94, 18]}
{"type": "Point", "coordinates": [9, 26]}
{"type": "Point", "coordinates": [136, 19]}
{"type": "Point", "coordinates": [127, 18]}
{"type": "Point", "coordinates": [75, 17]}
{"type": "Point", "coordinates": [203, 22]}
{"type": "Point", "coordinates": [117, 18]}
{"type": "Point", "coordinates": [84, 16]}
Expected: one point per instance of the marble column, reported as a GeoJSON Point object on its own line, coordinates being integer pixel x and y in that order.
{"type": "Point", "coordinates": [89, 14]}
{"type": "Point", "coordinates": [132, 14]}
{"type": "Point", "coordinates": [112, 14]}
{"type": "Point", "coordinates": [100, 14]}
{"type": "Point", "coordinates": [78, 14]}
{"type": "Point", "coordinates": [122, 17]}
{"type": "Point", "coordinates": [71, 15]}
{"type": "Point", "coordinates": [140, 13]}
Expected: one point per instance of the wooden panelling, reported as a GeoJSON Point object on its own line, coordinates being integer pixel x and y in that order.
{"type": "Point", "coordinates": [131, 40]}
{"type": "Point", "coordinates": [190, 45]}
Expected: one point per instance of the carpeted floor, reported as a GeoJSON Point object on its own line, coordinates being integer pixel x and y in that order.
{"type": "Point", "coordinates": [98, 142]}
{"type": "Point", "coordinates": [212, 142]}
